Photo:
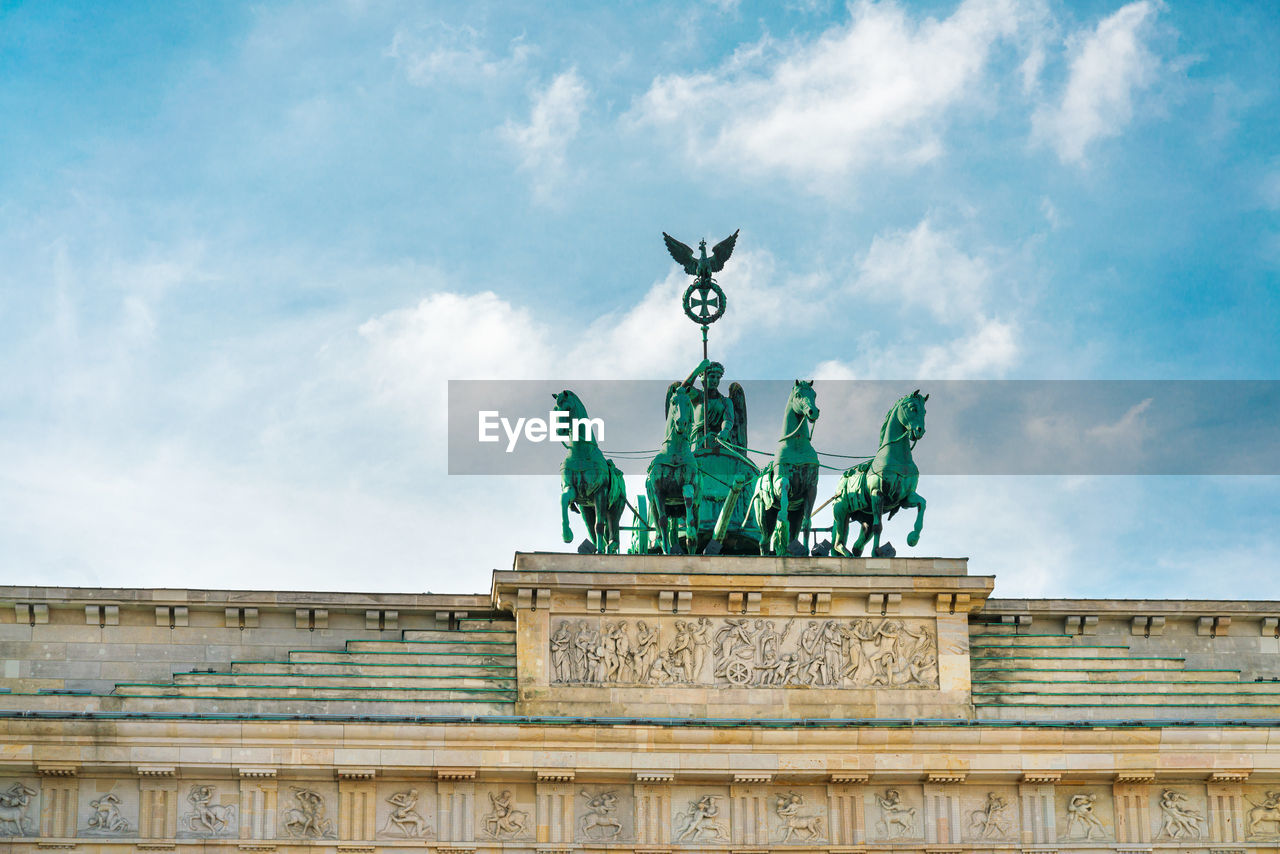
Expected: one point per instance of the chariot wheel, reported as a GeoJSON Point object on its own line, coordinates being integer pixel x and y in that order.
{"type": "Point", "coordinates": [738, 672]}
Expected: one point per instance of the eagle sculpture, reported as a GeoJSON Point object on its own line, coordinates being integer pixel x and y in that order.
{"type": "Point", "coordinates": [702, 267]}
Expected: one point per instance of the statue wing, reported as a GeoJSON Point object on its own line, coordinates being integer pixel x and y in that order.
{"type": "Point", "coordinates": [738, 398]}
{"type": "Point", "coordinates": [720, 252]}
{"type": "Point", "coordinates": [683, 255]}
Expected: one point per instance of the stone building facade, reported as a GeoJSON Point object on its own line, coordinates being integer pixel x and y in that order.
{"type": "Point", "coordinates": [640, 703]}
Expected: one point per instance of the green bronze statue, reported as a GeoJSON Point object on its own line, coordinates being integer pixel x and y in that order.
{"type": "Point", "coordinates": [717, 419]}
{"type": "Point", "coordinates": [787, 486]}
{"type": "Point", "coordinates": [672, 479]}
{"type": "Point", "coordinates": [883, 484]}
{"type": "Point", "coordinates": [590, 484]}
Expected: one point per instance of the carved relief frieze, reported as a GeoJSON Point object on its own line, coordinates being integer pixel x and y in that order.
{"type": "Point", "coordinates": [108, 808]}
{"type": "Point", "coordinates": [1262, 813]}
{"type": "Point", "coordinates": [990, 815]}
{"type": "Point", "coordinates": [508, 813]}
{"type": "Point", "coordinates": [307, 812]}
{"type": "Point", "coordinates": [605, 814]}
{"type": "Point", "coordinates": [209, 810]}
{"type": "Point", "coordinates": [746, 652]}
{"type": "Point", "coordinates": [701, 820]}
{"type": "Point", "coordinates": [404, 811]}
{"type": "Point", "coordinates": [799, 818]}
{"type": "Point", "coordinates": [1178, 813]}
{"type": "Point", "coordinates": [1085, 814]}
{"type": "Point", "coordinates": [895, 813]}
{"type": "Point", "coordinates": [18, 807]}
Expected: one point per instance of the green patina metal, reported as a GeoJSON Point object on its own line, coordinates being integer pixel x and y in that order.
{"type": "Point", "coordinates": [702, 492]}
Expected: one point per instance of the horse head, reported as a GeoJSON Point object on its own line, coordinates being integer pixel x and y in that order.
{"type": "Point", "coordinates": [803, 400]}
{"type": "Point", "coordinates": [908, 412]}
{"type": "Point", "coordinates": [679, 413]}
{"type": "Point", "coordinates": [568, 402]}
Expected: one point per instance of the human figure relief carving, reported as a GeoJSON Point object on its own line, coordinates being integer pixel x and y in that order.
{"type": "Point", "coordinates": [990, 821]}
{"type": "Point", "coordinates": [404, 817]}
{"type": "Point", "coordinates": [744, 652]}
{"type": "Point", "coordinates": [106, 817]}
{"type": "Point", "coordinates": [699, 822]}
{"type": "Point", "coordinates": [14, 801]}
{"type": "Point", "coordinates": [504, 821]}
{"type": "Point", "coordinates": [308, 820]}
{"type": "Point", "coordinates": [1080, 816]}
{"type": "Point", "coordinates": [207, 817]}
{"type": "Point", "coordinates": [1179, 820]}
{"type": "Point", "coordinates": [600, 821]}
{"type": "Point", "coordinates": [808, 827]}
{"type": "Point", "coordinates": [1265, 813]}
{"type": "Point", "coordinates": [897, 820]}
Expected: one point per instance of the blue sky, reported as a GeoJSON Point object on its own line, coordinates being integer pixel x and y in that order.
{"type": "Point", "coordinates": [246, 245]}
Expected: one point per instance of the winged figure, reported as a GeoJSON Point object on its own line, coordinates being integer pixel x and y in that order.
{"type": "Point", "coordinates": [702, 267]}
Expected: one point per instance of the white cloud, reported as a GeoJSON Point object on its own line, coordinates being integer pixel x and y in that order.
{"type": "Point", "coordinates": [989, 350]}
{"type": "Point", "coordinates": [925, 267]}
{"type": "Point", "coordinates": [554, 121]}
{"type": "Point", "coordinates": [441, 54]}
{"type": "Point", "coordinates": [876, 90]}
{"type": "Point", "coordinates": [1109, 65]}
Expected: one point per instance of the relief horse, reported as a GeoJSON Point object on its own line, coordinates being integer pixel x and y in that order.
{"type": "Point", "coordinates": [590, 484]}
{"type": "Point", "coordinates": [672, 477]}
{"type": "Point", "coordinates": [784, 492]}
{"type": "Point", "coordinates": [884, 484]}
{"type": "Point", "coordinates": [13, 810]}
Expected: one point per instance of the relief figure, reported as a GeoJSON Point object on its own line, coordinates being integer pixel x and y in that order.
{"type": "Point", "coordinates": [14, 801]}
{"type": "Point", "coordinates": [106, 816]}
{"type": "Point", "coordinates": [700, 823]}
{"type": "Point", "coordinates": [404, 816]}
{"type": "Point", "coordinates": [896, 819]}
{"type": "Point", "coordinates": [808, 827]}
{"type": "Point", "coordinates": [503, 821]}
{"type": "Point", "coordinates": [206, 816]}
{"type": "Point", "coordinates": [1179, 820]}
{"type": "Point", "coordinates": [600, 822]}
{"type": "Point", "coordinates": [1080, 814]}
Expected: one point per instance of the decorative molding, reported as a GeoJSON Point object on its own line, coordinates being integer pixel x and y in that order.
{"type": "Point", "coordinates": [155, 846]}
{"type": "Point", "coordinates": [357, 773]}
{"type": "Point", "coordinates": [655, 777]}
{"type": "Point", "coordinates": [566, 849]}
{"type": "Point", "coordinates": [57, 770]}
{"type": "Point", "coordinates": [455, 849]}
{"type": "Point", "coordinates": [157, 771]}
{"type": "Point", "coordinates": [753, 777]}
{"type": "Point", "coordinates": [1041, 776]}
{"type": "Point", "coordinates": [257, 772]}
{"type": "Point", "coordinates": [257, 846]}
{"type": "Point", "coordinates": [1229, 777]}
{"type": "Point", "coordinates": [850, 777]}
{"type": "Point", "coordinates": [945, 849]}
{"type": "Point", "coordinates": [1136, 777]}
{"type": "Point", "coordinates": [59, 846]}
{"type": "Point", "coordinates": [356, 849]}
{"type": "Point", "coordinates": [456, 774]}
{"type": "Point", "coordinates": [946, 777]}
{"type": "Point", "coordinates": [555, 775]}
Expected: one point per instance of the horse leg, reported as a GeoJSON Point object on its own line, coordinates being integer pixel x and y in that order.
{"type": "Point", "coordinates": [602, 518]}
{"type": "Point", "coordinates": [782, 535]}
{"type": "Point", "coordinates": [567, 496]}
{"type": "Point", "coordinates": [875, 523]}
{"type": "Point", "coordinates": [690, 523]}
{"type": "Point", "coordinates": [658, 519]}
{"type": "Point", "coordinates": [840, 532]}
{"type": "Point", "coordinates": [917, 501]}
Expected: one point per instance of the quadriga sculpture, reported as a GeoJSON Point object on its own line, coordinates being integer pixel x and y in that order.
{"type": "Point", "coordinates": [590, 484]}
{"type": "Point", "coordinates": [784, 493]}
{"type": "Point", "coordinates": [883, 484]}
